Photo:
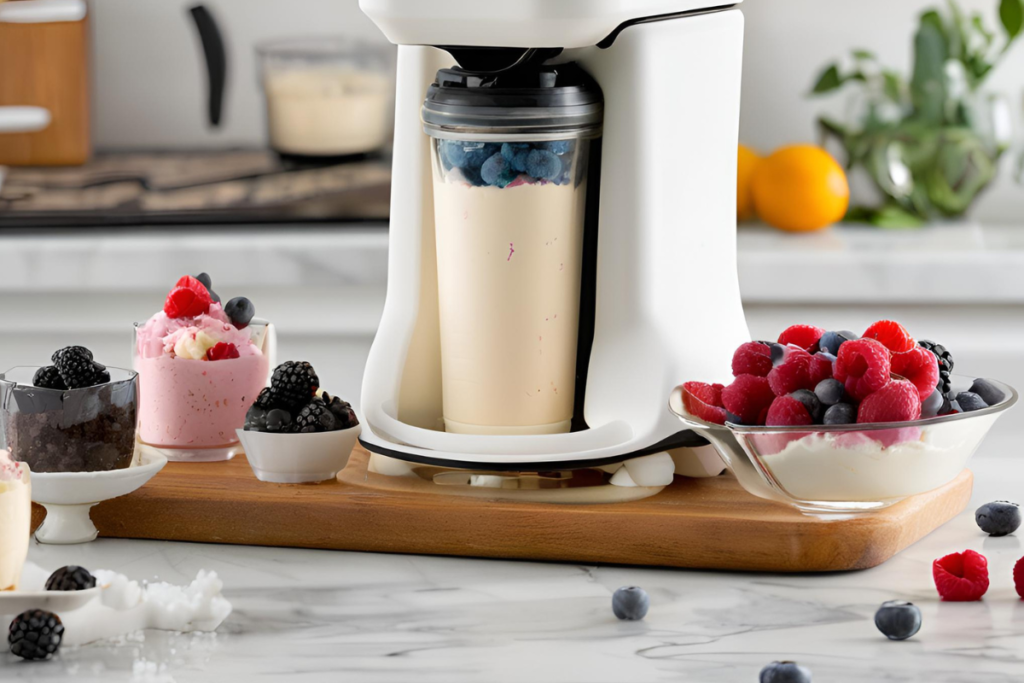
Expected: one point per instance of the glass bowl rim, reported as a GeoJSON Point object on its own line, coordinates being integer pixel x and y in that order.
{"type": "Point", "coordinates": [132, 376]}
{"type": "Point", "coordinates": [1007, 402]}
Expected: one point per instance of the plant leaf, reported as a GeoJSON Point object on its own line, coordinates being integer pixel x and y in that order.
{"type": "Point", "coordinates": [928, 86]}
{"type": "Point", "coordinates": [863, 55]}
{"type": "Point", "coordinates": [893, 86]}
{"type": "Point", "coordinates": [1011, 13]}
{"type": "Point", "coordinates": [828, 80]}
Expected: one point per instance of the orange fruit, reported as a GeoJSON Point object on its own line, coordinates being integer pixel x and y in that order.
{"type": "Point", "coordinates": [800, 188]}
{"type": "Point", "coordinates": [747, 162]}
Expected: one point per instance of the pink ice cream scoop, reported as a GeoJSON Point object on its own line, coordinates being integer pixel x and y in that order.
{"type": "Point", "coordinates": [187, 401]}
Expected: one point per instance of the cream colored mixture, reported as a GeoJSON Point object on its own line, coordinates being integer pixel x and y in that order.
{"type": "Point", "coordinates": [508, 262]}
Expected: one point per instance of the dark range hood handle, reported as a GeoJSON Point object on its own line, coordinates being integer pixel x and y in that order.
{"type": "Point", "coordinates": [216, 60]}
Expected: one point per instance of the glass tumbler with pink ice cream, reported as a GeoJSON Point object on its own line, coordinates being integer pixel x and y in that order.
{"type": "Point", "coordinates": [15, 519]}
{"type": "Point", "coordinates": [201, 364]}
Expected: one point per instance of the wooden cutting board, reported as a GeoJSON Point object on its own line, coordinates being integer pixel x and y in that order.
{"type": "Point", "coordinates": [694, 523]}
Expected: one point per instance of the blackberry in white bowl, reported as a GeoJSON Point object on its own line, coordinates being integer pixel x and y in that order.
{"type": "Point", "coordinates": [295, 432]}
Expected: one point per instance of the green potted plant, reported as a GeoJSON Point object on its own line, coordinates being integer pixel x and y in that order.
{"type": "Point", "coordinates": [930, 143]}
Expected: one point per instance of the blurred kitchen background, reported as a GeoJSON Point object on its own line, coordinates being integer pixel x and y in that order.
{"type": "Point", "coordinates": [182, 180]}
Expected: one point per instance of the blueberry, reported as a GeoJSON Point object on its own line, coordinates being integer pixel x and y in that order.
{"type": "Point", "coordinates": [840, 414]}
{"type": "Point", "coordinates": [734, 419]}
{"type": "Point", "coordinates": [785, 672]}
{"type": "Point", "coordinates": [495, 171]}
{"type": "Point", "coordinates": [954, 407]}
{"type": "Point", "coordinates": [558, 147]}
{"type": "Point", "coordinates": [205, 279]}
{"type": "Point", "coordinates": [453, 153]}
{"type": "Point", "coordinates": [830, 391]}
{"type": "Point", "coordinates": [778, 353]}
{"type": "Point", "coordinates": [541, 163]}
{"type": "Point", "coordinates": [631, 603]}
{"type": "Point", "coordinates": [970, 401]}
{"type": "Point", "coordinates": [278, 420]}
{"type": "Point", "coordinates": [472, 176]}
{"type": "Point", "coordinates": [240, 311]}
{"type": "Point", "coordinates": [479, 152]}
{"type": "Point", "coordinates": [831, 341]}
{"type": "Point", "coordinates": [999, 518]}
{"type": "Point", "coordinates": [810, 401]}
{"type": "Point", "coordinates": [255, 419]}
{"type": "Point", "coordinates": [515, 154]}
{"type": "Point", "coordinates": [932, 405]}
{"type": "Point", "coordinates": [989, 392]}
{"type": "Point", "coordinates": [898, 619]}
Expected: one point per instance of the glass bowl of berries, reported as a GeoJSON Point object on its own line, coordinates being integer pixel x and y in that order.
{"type": "Point", "coordinates": [836, 422]}
{"type": "Point", "coordinates": [76, 415]}
{"type": "Point", "coordinates": [294, 432]}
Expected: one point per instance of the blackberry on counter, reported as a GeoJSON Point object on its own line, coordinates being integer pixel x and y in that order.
{"type": "Point", "coordinates": [77, 369]}
{"type": "Point", "coordinates": [70, 578]}
{"type": "Point", "coordinates": [48, 378]}
{"type": "Point", "coordinates": [293, 384]}
{"type": "Point", "coordinates": [35, 634]}
{"type": "Point", "coordinates": [945, 359]}
{"type": "Point", "coordinates": [315, 417]}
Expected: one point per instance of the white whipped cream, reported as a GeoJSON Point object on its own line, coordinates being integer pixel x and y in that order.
{"type": "Point", "coordinates": [852, 466]}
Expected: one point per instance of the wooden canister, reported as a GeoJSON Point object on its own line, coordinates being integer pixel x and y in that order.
{"type": "Point", "coordinates": [44, 63]}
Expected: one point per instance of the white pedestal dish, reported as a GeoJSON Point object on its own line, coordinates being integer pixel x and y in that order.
{"type": "Point", "coordinates": [68, 496]}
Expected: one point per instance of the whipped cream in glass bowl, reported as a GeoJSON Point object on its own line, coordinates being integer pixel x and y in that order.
{"type": "Point", "coordinates": [850, 468]}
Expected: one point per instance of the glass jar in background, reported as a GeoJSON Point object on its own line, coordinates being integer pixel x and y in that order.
{"type": "Point", "coordinates": [327, 97]}
{"type": "Point", "coordinates": [510, 159]}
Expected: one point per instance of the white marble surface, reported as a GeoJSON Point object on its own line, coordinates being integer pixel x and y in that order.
{"type": "Point", "coordinates": [331, 616]}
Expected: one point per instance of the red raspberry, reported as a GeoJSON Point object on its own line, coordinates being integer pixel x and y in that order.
{"type": "Point", "coordinates": [188, 299]}
{"type": "Point", "coordinates": [786, 411]}
{"type": "Point", "coordinates": [704, 401]}
{"type": "Point", "coordinates": [863, 366]}
{"type": "Point", "coordinates": [222, 351]}
{"type": "Point", "coordinates": [752, 358]}
{"type": "Point", "coordinates": [920, 366]}
{"type": "Point", "coordinates": [891, 334]}
{"type": "Point", "coordinates": [1018, 577]}
{"type": "Point", "coordinates": [897, 401]}
{"type": "Point", "coordinates": [748, 398]}
{"type": "Point", "coordinates": [820, 368]}
{"type": "Point", "coordinates": [794, 372]}
{"type": "Point", "coordinates": [804, 336]}
{"type": "Point", "coordinates": [961, 577]}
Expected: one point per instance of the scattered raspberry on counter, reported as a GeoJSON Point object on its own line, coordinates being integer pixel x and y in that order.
{"type": "Point", "coordinates": [961, 577]}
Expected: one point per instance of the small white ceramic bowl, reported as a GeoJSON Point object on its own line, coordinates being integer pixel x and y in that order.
{"type": "Point", "coordinates": [298, 458]}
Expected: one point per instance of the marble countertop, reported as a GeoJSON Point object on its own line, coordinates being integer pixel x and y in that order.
{"type": "Point", "coordinates": [304, 615]}
{"type": "Point", "coordinates": [946, 263]}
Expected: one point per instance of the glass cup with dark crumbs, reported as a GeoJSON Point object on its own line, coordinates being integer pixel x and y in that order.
{"type": "Point", "coordinates": [89, 429]}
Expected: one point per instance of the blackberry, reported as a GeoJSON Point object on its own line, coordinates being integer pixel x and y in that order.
{"type": "Point", "coordinates": [279, 420]}
{"type": "Point", "coordinates": [77, 368]}
{"type": "Point", "coordinates": [70, 578]}
{"type": "Point", "coordinates": [35, 634]}
{"type": "Point", "coordinates": [315, 417]}
{"type": "Point", "coordinates": [293, 384]}
{"type": "Point", "coordinates": [343, 413]}
{"type": "Point", "coordinates": [945, 359]}
{"type": "Point", "coordinates": [48, 378]}
{"type": "Point", "coordinates": [80, 350]}
{"type": "Point", "coordinates": [265, 400]}
{"type": "Point", "coordinates": [255, 419]}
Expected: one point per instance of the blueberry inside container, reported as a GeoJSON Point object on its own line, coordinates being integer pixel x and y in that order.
{"type": "Point", "coordinates": [69, 430]}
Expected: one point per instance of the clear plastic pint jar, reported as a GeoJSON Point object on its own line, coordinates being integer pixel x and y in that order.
{"type": "Point", "coordinates": [510, 159]}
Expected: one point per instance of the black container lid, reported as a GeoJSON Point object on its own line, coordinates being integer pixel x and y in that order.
{"type": "Point", "coordinates": [548, 101]}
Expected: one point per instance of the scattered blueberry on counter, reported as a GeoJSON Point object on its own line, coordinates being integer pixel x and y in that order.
{"type": "Point", "coordinates": [785, 672]}
{"type": "Point", "coordinates": [898, 619]}
{"type": "Point", "coordinates": [630, 603]}
{"type": "Point", "coordinates": [1000, 518]}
